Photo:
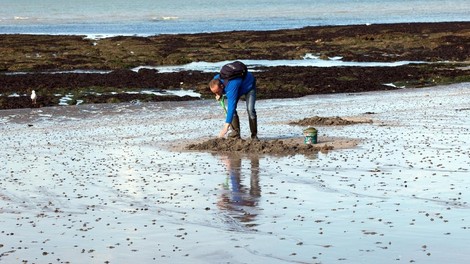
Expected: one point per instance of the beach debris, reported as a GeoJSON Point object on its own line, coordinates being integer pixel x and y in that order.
{"type": "Point", "coordinates": [310, 135]}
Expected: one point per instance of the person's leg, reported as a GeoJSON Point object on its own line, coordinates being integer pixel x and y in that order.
{"type": "Point", "coordinates": [252, 118]}
{"type": "Point", "coordinates": [235, 133]}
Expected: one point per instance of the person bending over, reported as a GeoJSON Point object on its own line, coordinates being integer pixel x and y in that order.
{"type": "Point", "coordinates": [233, 89]}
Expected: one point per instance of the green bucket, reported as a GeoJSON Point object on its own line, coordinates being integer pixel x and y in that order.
{"type": "Point", "coordinates": [310, 135]}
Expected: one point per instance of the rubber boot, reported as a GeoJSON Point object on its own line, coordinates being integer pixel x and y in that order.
{"type": "Point", "coordinates": [235, 133]}
{"type": "Point", "coordinates": [254, 128]}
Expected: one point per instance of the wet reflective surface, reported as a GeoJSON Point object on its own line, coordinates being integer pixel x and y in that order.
{"type": "Point", "coordinates": [97, 183]}
{"type": "Point", "coordinates": [240, 194]}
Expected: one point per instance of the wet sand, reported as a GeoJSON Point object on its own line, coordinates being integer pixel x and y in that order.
{"type": "Point", "coordinates": [105, 183]}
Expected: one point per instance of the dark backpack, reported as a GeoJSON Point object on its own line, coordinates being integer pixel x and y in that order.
{"type": "Point", "coordinates": [233, 70]}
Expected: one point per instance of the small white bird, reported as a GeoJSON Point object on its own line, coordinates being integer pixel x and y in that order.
{"type": "Point", "coordinates": [33, 97]}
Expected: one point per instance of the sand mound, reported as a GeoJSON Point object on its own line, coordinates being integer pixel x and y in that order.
{"type": "Point", "coordinates": [289, 146]}
{"type": "Point", "coordinates": [275, 146]}
{"type": "Point", "coordinates": [328, 121]}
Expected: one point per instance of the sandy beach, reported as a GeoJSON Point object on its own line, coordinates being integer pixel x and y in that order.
{"type": "Point", "coordinates": [113, 183]}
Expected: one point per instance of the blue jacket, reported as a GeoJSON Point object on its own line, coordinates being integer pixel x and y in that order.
{"type": "Point", "coordinates": [234, 89]}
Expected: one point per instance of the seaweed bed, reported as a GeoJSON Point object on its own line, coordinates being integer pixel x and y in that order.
{"type": "Point", "coordinates": [445, 46]}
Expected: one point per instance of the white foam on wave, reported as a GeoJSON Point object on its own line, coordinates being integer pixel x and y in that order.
{"type": "Point", "coordinates": [164, 18]}
{"type": "Point", "coordinates": [169, 17]}
{"type": "Point", "coordinates": [139, 17]}
{"type": "Point", "coordinates": [20, 18]}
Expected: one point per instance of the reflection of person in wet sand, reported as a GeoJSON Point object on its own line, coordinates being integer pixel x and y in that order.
{"type": "Point", "coordinates": [239, 200]}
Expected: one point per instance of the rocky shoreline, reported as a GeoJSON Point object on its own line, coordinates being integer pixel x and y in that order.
{"type": "Point", "coordinates": [443, 46]}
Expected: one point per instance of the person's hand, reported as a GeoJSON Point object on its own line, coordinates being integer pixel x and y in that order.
{"type": "Point", "coordinates": [224, 130]}
{"type": "Point", "coordinates": [217, 97]}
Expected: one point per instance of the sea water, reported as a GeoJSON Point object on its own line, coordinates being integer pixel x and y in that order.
{"type": "Point", "coordinates": [150, 17]}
